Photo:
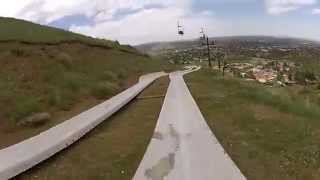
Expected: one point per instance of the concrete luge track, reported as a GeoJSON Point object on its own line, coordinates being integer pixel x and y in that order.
{"type": "Point", "coordinates": [183, 147]}
{"type": "Point", "coordinates": [22, 156]}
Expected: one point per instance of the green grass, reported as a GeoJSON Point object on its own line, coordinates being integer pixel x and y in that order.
{"type": "Point", "coordinates": [114, 149]}
{"type": "Point", "coordinates": [20, 30]}
{"type": "Point", "coordinates": [50, 74]}
{"type": "Point", "coordinates": [50, 70]}
{"type": "Point", "coordinates": [15, 30]}
{"type": "Point", "coordinates": [104, 89]}
{"type": "Point", "coordinates": [52, 78]}
{"type": "Point", "coordinates": [271, 133]}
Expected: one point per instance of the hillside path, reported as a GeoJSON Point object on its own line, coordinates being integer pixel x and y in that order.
{"type": "Point", "coordinates": [183, 147]}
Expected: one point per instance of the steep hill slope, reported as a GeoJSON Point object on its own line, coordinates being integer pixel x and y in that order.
{"type": "Point", "coordinates": [31, 33]}
{"type": "Point", "coordinates": [20, 30]}
{"type": "Point", "coordinates": [49, 70]}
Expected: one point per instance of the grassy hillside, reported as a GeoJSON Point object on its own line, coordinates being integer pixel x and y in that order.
{"type": "Point", "coordinates": [31, 33]}
{"type": "Point", "coordinates": [113, 150]}
{"type": "Point", "coordinates": [270, 132]}
{"type": "Point", "coordinates": [20, 30]}
{"type": "Point", "coordinates": [43, 71]}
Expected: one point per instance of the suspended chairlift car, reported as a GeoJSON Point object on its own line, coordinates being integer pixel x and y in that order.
{"type": "Point", "coordinates": [180, 30]}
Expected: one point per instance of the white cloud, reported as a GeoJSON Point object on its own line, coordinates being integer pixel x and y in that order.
{"type": "Point", "coordinates": [276, 7]}
{"type": "Point", "coordinates": [12, 7]}
{"type": "Point", "coordinates": [316, 11]}
{"type": "Point", "coordinates": [141, 24]}
{"type": "Point", "coordinates": [154, 25]}
{"type": "Point", "coordinates": [42, 11]}
{"type": "Point", "coordinates": [46, 11]}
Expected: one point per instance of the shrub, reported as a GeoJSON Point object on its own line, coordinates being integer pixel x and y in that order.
{"type": "Point", "coordinates": [122, 74]}
{"type": "Point", "coordinates": [310, 76]}
{"type": "Point", "coordinates": [72, 82]}
{"type": "Point", "coordinates": [24, 107]}
{"type": "Point", "coordinates": [104, 89]}
{"type": "Point", "coordinates": [302, 76]}
{"type": "Point", "coordinates": [65, 59]}
{"type": "Point", "coordinates": [61, 99]}
{"type": "Point", "coordinates": [18, 52]}
{"type": "Point", "coordinates": [109, 76]}
{"type": "Point", "coordinates": [54, 98]}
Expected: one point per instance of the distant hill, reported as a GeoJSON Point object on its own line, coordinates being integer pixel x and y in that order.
{"type": "Point", "coordinates": [154, 48]}
{"type": "Point", "coordinates": [284, 41]}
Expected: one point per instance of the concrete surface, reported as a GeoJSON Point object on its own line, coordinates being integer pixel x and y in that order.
{"type": "Point", "coordinates": [183, 146]}
{"type": "Point", "coordinates": [22, 156]}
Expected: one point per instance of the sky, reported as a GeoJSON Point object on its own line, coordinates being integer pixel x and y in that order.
{"type": "Point", "coordinates": [141, 21]}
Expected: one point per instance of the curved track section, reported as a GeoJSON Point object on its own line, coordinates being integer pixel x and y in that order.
{"type": "Point", "coordinates": [22, 156]}
{"type": "Point", "coordinates": [183, 146]}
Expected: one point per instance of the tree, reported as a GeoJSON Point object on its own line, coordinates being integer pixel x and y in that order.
{"type": "Point", "coordinates": [305, 76]}
{"type": "Point", "coordinates": [219, 56]}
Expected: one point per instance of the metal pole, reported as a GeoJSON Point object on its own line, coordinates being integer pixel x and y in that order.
{"type": "Point", "coordinates": [219, 61]}
{"type": "Point", "coordinates": [209, 59]}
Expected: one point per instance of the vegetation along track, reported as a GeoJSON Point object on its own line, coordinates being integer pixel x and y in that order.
{"type": "Point", "coordinates": [270, 133]}
{"type": "Point", "coordinates": [113, 150]}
